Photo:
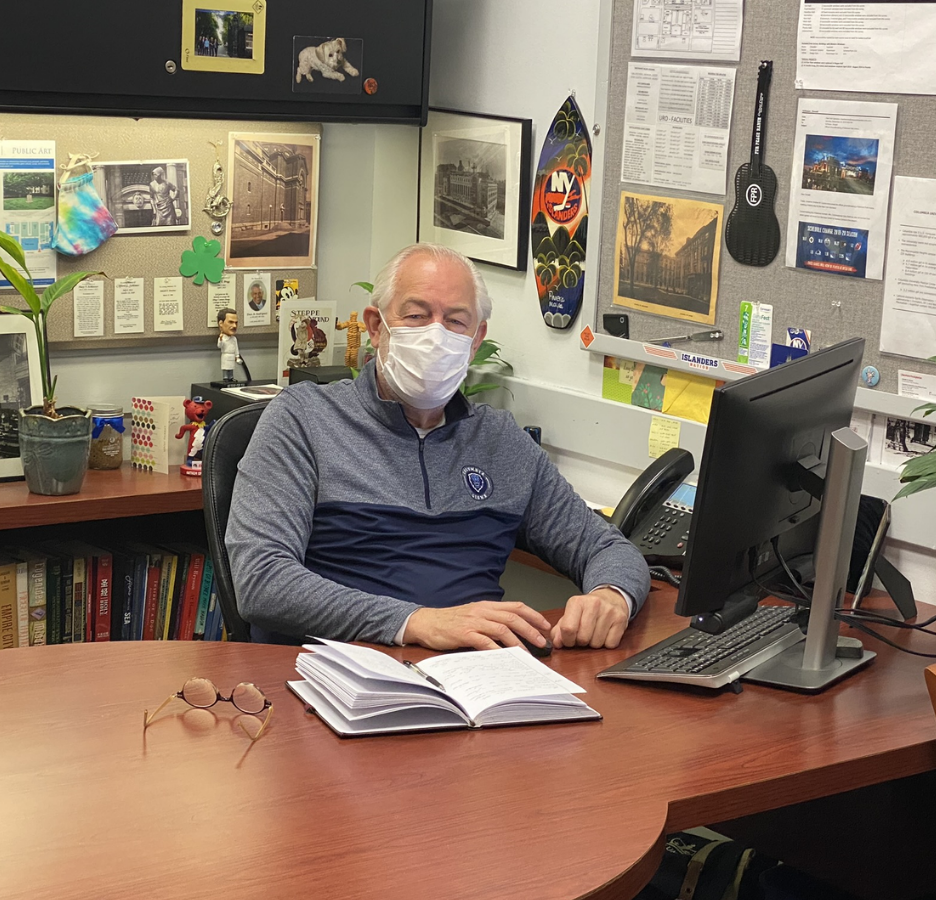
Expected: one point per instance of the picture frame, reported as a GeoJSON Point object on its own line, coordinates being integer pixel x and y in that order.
{"type": "Point", "coordinates": [20, 386]}
{"type": "Point", "coordinates": [274, 188]}
{"type": "Point", "coordinates": [224, 37]}
{"type": "Point", "coordinates": [475, 175]}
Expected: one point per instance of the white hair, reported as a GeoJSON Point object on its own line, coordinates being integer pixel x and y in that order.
{"type": "Point", "coordinates": [385, 284]}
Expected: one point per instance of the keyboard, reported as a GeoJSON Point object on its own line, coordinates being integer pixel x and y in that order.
{"type": "Point", "coordinates": [713, 660]}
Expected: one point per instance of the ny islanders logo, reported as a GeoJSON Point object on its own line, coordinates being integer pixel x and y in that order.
{"type": "Point", "coordinates": [477, 482]}
{"type": "Point", "coordinates": [562, 196]}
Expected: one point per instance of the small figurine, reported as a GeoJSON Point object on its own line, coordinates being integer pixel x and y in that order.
{"type": "Point", "coordinates": [355, 330]}
{"type": "Point", "coordinates": [227, 342]}
{"type": "Point", "coordinates": [195, 411]}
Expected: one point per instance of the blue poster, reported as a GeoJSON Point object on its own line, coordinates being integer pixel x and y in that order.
{"type": "Point", "coordinates": [830, 248]}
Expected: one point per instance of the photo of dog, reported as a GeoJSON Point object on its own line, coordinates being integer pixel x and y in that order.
{"type": "Point", "coordinates": [327, 58]}
{"type": "Point", "coordinates": [328, 65]}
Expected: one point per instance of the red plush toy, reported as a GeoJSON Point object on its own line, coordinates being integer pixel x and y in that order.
{"type": "Point", "coordinates": [195, 411]}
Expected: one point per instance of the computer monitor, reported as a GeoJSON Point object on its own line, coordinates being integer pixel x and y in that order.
{"type": "Point", "coordinates": [780, 477]}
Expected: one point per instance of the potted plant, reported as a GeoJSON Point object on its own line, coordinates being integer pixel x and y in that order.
{"type": "Point", "coordinates": [487, 357]}
{"type": "Point", "coordinates": [919, 474]}
{"type": "Point", "coordinates": [54, 443]}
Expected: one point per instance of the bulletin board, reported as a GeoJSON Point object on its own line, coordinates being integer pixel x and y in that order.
{"type": "Point", "coordinates": [832, 307]}
{"type": "Point", "coordinates": [148, 255]}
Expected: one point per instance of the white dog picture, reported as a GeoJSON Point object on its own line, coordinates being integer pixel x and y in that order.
{"type": "Point", "coordinates": [327, 64]}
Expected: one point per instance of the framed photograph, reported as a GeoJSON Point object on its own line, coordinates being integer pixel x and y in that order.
{"type": "Point", "coordinates": [474, 185]}
{"type": "Point", "coordinates": [229, 37]}
{"type": "Point", "coordinates": [274, 186]}
{"type": "Point", "coordinates": [20, 386]}
{"type": "Point", "coordinates": [146, 196]}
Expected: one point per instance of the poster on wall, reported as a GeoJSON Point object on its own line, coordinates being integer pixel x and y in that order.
{"type": "Point", "coordinates": [27, 204]}
{"type": "Point", "coordinates": [667, 253]}
{"type": "Point", "coordinates": [843, 153]}
{"type": "Point", "coordinates": [274, 191]}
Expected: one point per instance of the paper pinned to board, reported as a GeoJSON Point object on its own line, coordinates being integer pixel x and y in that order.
{"type": "Point", "coordinates": [664, 435]}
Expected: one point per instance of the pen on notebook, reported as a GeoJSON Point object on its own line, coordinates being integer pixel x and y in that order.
{"type": "Point", "coordinates": [411, 665]}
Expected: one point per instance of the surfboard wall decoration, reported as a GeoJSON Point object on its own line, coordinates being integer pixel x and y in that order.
{"type": "Point", "coordinates": [559, 217]}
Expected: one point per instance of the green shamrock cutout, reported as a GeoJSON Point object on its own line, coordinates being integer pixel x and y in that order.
{"type": "Point", "coordinates": [202, 261]}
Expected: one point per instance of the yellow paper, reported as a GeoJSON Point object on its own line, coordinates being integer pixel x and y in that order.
{"type": "Point", "coordinates": [688, 396]}
{"type": "Point", "coordinates": [664, 435]}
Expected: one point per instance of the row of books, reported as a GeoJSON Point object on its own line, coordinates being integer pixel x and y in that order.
{"type": "Point", "coordinates": [63, 592]}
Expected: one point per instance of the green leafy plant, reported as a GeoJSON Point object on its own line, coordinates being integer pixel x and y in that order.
{"type": "Point", "coordinates": [37, 309]}
{"type": "Point", "coordinates": [919, 474]}
{"type": "Point", "coordinates": [487, 358]}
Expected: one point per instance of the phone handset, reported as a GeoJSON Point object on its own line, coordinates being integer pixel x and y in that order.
{"type": "Point", "coordinates": [652, 487]}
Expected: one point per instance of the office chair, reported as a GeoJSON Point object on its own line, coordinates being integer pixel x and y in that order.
{"type": "Point", "coordinates": [225, 445]}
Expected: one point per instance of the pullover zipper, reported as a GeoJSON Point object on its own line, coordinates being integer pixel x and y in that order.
{"type": "Point", "coordinates": [425, 474]}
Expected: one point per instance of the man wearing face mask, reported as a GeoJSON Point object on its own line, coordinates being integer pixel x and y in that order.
{"type": "Point", "coordinates": [384, 509]}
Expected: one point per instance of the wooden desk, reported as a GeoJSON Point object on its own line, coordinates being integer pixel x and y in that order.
{"type": "Point", "coordinates": [92, 807]}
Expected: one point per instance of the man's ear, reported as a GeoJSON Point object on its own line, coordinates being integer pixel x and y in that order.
{"type": "Point", "coordinates": [373, 322]}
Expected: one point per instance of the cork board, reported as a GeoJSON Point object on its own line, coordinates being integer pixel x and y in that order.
{"type": "Point", "coordinates": [833, 308]}
{"type": "Point", "coordinates": [146, 255]}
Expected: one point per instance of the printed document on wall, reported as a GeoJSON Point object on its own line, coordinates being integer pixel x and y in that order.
{"type": "Point", "coordinates": [881, 46]}
{"type": "Point", "coordinates": [843, 153]}
{"type": "Point", "coordinates": [908, 323]}
{"type": "Point", "coordinates": [27, 204]}
{"type": "Point", "coordinates": [688, 29]}
{"type": "Point", "coordinates": [676, 124]}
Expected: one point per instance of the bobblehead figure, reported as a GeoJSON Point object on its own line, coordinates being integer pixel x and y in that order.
{"type": "Point", "coordinates": [227, 342]}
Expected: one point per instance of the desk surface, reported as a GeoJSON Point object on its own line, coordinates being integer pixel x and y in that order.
{"type": "Point", "coordinates": [93, 808]}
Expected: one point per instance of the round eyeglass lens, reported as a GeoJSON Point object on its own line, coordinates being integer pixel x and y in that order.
{"type": "Point", "coordinates": [200, 692]}
{"type": "Point", "coordinates": [248, 698]}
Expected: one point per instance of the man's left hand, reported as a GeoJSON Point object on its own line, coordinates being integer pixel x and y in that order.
{"type": "Point", "coordinates": [597, 619]}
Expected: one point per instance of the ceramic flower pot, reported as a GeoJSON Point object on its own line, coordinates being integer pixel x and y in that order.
{"type": "Point", "coordinates": [54, 451]}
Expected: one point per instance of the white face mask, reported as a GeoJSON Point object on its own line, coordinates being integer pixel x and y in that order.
{"type": "Point", "coordinates": [424, 365]}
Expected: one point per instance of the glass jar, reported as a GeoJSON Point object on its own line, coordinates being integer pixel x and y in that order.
{"type": "Point", "coordinates": [107, 427]}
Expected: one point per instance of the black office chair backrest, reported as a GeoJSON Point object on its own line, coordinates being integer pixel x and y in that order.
{"type": "Point", "coordinates": [225, 445]}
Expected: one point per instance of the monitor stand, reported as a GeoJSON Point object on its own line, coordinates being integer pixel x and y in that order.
{"type": "Point", "coordinates": [813, 666]}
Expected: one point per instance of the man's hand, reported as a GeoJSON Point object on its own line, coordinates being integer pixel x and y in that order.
{"type": "Point", "coordinates": [598, 619]}
{"type": "Point", "coordinates": [479, 625]}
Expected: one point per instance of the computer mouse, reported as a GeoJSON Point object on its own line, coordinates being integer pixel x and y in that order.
{"type": "Point", "coordinates": [540, 652]}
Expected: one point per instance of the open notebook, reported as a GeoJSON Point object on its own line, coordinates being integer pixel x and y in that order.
{"type": "Point", "coordinates": [359, 691]}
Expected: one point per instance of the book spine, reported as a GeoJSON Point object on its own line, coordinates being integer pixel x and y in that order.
{"type": "Point", "coordinates": [178, 592]}
{"type": "Point", "coordinates": [166, 580]}
{"type": "Point", "coordinates": [125, 596]}
{"type": "Point", "coordinates": [213, 613]}
{"type": "Point", "coordinates": [192, 590]}
{"type": "Point", "coordinates": [137, 614]}
{"type": "Point", "coordinates": [204, 595]}
{"type": "Point", "coordinates": [37, 602]}
{"type": "Point", "coordinates": [68, 599]}
{"type": "Point", "coordinates": [104, 584]}
{"type": "Point", "coordinates": [90, 596]}
{"type": "Point", "coordinates": [9, 630]}
{"type": "Point", "coordinates": [53, 600]}
{"type": "Point", "coordinates": [80, 594]}
{"type": "Point", "coordinates": [22, 603]}
{"type": "Point", "coordinates": [151, 606]}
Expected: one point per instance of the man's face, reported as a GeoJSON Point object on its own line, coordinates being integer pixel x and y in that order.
{"type": "Point", "coordinates": [229, 325]}
{"type": "Point", "coordinates": [430, 290]}
{"type": "Point", "coordinates": [256, 294]}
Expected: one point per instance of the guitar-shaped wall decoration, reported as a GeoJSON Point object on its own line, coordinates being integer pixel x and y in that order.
{"type": "Point", "coordinates": [752, 233]}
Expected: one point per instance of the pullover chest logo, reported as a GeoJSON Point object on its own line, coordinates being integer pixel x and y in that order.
{"type": "Point", "coordinates": [478, 483]}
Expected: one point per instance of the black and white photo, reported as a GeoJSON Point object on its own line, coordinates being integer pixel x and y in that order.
{"type": "Point", "coordinates": [146, 197]}
{"type": "Point", "coordinates": [274, 194]}
{"type": "Point", "coordinates": [20, 386]}
{"type": "Point", "coordinates": [474, 185]}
